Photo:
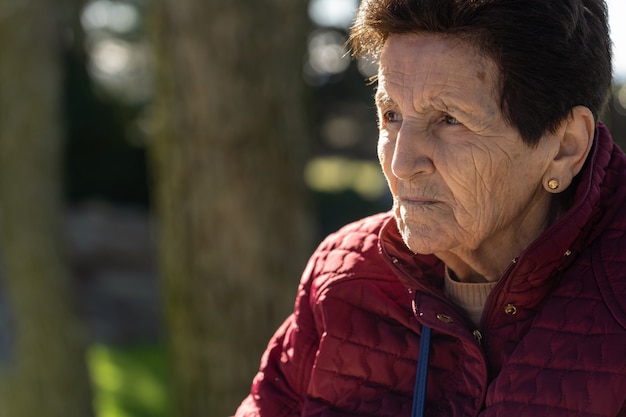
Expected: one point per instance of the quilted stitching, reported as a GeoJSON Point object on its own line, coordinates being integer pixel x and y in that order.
{"type": "Point", "coordinates": [350, 347]}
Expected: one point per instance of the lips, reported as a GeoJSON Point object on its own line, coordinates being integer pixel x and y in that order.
{"type": "Point", "coordinates": [416, 200]}
{"type": "Point", "coordinates": [414, 194]}
{"type": "Point", "coordinates": [419, 200]}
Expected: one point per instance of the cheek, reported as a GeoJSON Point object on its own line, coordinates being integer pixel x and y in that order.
{"type": "Point", "coordinates": [384, 146]}
{"type": "Point", "coordinates": [463, 172]}
{"type": "Point", "coordinates": [476, 181]}
{"type": "Point", "coordinates": [385, 151]}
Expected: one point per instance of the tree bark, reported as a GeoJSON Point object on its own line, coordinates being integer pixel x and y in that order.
{"type": "Point", "coordinates": [45, 373]}
{"type": "Point", "coordinates": [227, 159]}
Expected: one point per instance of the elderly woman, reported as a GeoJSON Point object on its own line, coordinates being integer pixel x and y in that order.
{"type": "Point", "coordinates": [497, 284]}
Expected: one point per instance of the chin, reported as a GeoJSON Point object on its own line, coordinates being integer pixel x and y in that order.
{"type": "Point", "coordinates": [420, 238]}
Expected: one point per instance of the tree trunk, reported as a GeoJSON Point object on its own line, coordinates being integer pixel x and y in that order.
{"type": "Point", "coordinates": [228, 154]}
{"type": "Point", "coordinates": [45, 372]}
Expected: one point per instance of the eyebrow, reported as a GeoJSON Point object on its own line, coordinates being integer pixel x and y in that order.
{"type": "Point", "coordinates": [383, 99]}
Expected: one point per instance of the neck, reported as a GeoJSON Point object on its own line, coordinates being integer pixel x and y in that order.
{"type": "Point", "coordinates": [473, 268]}
{"type": "Point", "coordinates": [489, 261]}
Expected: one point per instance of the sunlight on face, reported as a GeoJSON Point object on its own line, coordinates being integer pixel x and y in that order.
{"type": "Point", "coordinates": [461, 177]}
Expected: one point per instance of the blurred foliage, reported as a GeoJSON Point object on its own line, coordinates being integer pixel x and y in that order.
{"type": "Point", "coordinates": [129, 381]}
{"type": "Point", "coordinates": [105, 155]}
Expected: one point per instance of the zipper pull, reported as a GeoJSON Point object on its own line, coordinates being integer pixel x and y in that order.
{"type": "Point", "coordinates": [478, 336]}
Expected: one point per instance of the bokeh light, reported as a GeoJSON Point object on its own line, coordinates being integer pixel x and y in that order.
{"type": "Point", "coordinates": [333, 13]}
{"type": "Point", "coordinates": [108, 15]}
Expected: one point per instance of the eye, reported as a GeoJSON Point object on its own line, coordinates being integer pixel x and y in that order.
{"type": "Point", "coordinates": [449, 120]}
{"type": "Point", "coordinates": [391, 116]}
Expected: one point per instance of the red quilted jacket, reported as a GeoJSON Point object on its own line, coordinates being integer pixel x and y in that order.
{"type": "Point", "coordinates": [551, 342]}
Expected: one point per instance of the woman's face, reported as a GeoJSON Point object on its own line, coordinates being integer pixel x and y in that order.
{"type": "Point", "coordinates": [461, 176]}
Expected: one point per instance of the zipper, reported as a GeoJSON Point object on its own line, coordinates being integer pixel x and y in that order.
{"type": "Point", "coordinates": [490, 300]}
{"type": "Point", "coordinates": [489, 304]}
{"type": "Point", "coordinates": [476, 333]}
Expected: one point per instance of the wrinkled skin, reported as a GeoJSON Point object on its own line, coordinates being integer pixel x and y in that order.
{"type": "Point", "coordinates": [466, 187]}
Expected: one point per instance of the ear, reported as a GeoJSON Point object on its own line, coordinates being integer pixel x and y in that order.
{"type": "Point", "coordinates": [576, 135]}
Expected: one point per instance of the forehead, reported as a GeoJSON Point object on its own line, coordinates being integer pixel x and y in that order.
{"type": "Point", "coordinates": [437, 67]}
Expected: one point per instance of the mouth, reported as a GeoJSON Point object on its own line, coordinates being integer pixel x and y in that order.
{"type": "Point", "coordinates": [416, 200]}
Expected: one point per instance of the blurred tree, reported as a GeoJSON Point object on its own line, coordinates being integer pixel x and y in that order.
{"type": "Point", "coordinates": [229, 146]}
{"type": "Point", "coordinates": [45, 371]}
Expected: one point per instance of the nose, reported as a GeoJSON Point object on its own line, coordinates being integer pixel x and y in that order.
{"type": "Point", "coordinates": [412, 153]}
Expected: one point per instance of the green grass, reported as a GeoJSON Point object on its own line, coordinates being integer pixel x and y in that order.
{"type": "Point", "coordinates": [129, 381]}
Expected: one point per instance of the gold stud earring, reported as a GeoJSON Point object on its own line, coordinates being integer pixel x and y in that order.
{"type": "Point", "coordinates": [553, 184]}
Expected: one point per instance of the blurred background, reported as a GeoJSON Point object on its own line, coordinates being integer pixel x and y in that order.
{"type": "Point", "coordinates": [166, 168]}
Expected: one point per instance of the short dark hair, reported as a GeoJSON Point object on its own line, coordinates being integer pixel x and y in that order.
{"type": "Point", "coordinates": [552, 54]}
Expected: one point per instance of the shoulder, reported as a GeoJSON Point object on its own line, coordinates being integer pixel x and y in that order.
{"type": "Point", "coordinates": [351, 252]}
{"type": "Point", "coordinates": [348, 278]}
{"type": "Point", "coordinates": [351, 246]}
{"type": "Point", "coordinates": [357, 236]}
{"type": "Point", "coordinates": [609, 266]}
{"type": "Point", "coordinates": [608, 235]}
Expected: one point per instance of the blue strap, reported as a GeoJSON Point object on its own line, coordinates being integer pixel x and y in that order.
{"type": "Point", "coordinates": [419, 394]}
